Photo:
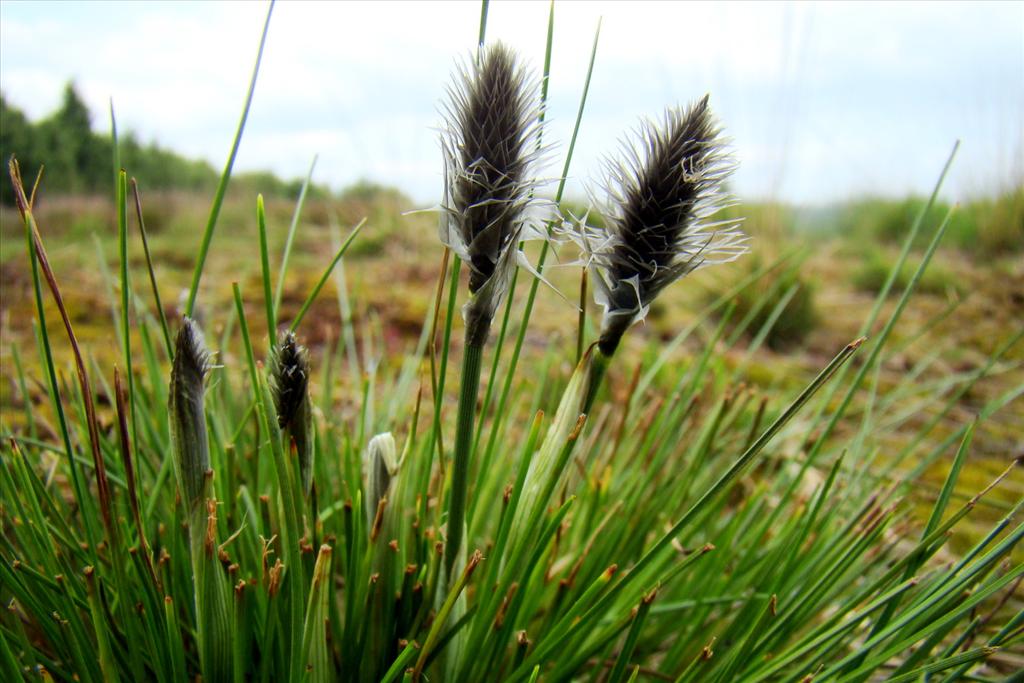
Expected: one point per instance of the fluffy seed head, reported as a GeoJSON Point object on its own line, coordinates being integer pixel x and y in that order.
{"type": "Point", "coordinates": [660, 197]}
{"type": "Point", "coordinates": [490, 143]}
{"type": "Point", "coordinates": [186, 412]}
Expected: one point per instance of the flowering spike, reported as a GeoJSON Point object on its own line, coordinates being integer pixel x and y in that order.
{"type": "Point", "coordinates": [187, 417]}
{"type": "Point", "coordinates": [289, 381]}
{"type": "Point", "coordinates": [671, 181]}
{"type": "Point", "coordinates": [490, 143]}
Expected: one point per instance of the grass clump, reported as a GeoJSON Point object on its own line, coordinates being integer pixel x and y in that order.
{"type": "Point", "coordinates": [986, 227]}
{"type": "Point", "coordinates": [232, 523]}
{"type": "Point", "coordinates": [779, 307]}
{"type": "Point", "coordinates": [871, 275]}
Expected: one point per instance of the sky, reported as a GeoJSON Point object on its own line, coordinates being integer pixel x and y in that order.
{"type": "Point", "coordinates": [822, 102]}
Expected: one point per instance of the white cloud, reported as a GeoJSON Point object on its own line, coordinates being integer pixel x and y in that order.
{"type": "Point", "coordinates": [823, 100]}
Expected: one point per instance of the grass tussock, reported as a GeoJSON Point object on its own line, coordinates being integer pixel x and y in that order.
{"type": "Point", "coordinates": [610, 504]}
{"type": "Point", "coordinates": [985, 228]}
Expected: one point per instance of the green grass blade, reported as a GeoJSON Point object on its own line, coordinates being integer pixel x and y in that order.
{"type": "Point", "coordinates": [483, 22]}
{"type": "Point", "coordinates": [619, 670]}
{"type": "Point", "coordinates": [327, 274]}
{"type": "Point", "coordinates": [126, 295]}
{"type": "Point", "coordinates": [222, 185]}
{"type": "Point", "coordinates": [879, 342]}
{"type": "Point", "coordinates": [152, 275]}
{"type": "Point", "coordinates": [316, 659]}
{"type": "Point", "coordinates": [292, 229]}
{"type": "Point", "coordinates": [271, 306]}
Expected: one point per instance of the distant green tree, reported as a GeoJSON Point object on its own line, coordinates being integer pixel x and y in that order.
{"type": "Point", "coordinates": [64, 142]}
{"type": "Point", "coordinates": [80, 161]}
{"type": "Point", "coordinates": [17, 137]}
{"type": "Point", "coordinates": [72, 127]}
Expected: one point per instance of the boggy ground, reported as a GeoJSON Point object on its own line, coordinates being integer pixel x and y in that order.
{"type": "Point", "coordinates": [967, 306]}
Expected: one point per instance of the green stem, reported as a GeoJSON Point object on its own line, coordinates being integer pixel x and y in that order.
{"type": "Point", "coordinates": [442, 373]}
{"type": "Point", "coordinates": [580, 330]}
{"type": "Point", "coordinates": [469, 388]}
{"type": "Point", "coordinates": [597, 373]}
{"type": "Point", "coordinates": [122, 233]}
{"type": "Point", "coordinates": [152, 275]}
{"type": "Point", "coordinates": [327, 274]}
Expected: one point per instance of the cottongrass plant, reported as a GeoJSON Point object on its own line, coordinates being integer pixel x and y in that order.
{"type": "Point", "coordinates": [661, 198]}
{"type": "Point", "coordinates": [491, 142]}
{"type": "Point", "coordinates": [289, 383]}
{"type": "Point", "coordinates": [191, 459]}
{"type": "Point", "coordinates": [228, 523]}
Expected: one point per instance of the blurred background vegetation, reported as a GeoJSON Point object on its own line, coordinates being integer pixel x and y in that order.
{"type": "Point", "coordinates": [820, 271]}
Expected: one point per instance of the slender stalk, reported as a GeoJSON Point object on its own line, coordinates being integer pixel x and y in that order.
{"type": "Point", "coordinates": [442, 373]}
{"type": "Point", "coordinates": [483, 23]}
{"type": "Point", "coordinates": [446, 609]}
{"type": "Point", "coordinates": [582, 324]}
{"type": "Point", "coordinates": [106, 656]}
{"type": "Point", "coordinates": [470, 386]}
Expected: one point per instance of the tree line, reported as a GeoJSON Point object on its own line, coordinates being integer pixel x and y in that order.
{"type": "Point", "coordinates": [81, 161]}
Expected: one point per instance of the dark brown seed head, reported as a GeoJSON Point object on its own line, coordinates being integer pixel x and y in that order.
{"type": "Point", "coordinates": [660, 196]}
{"type": "Point", "coordinates": [289, 381]}
{"type": "Point", "coordinates": [490, 143]}
{"type": "Point", "coordinates": [289, 377]}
